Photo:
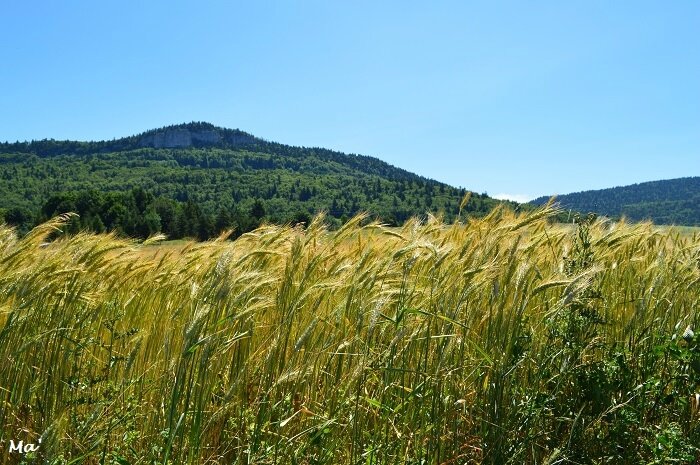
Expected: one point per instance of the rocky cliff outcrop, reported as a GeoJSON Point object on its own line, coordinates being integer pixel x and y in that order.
{"type": "Point", "coordinates": [180, 137]}
{"type": "Point", "coordinates": [195, 135]}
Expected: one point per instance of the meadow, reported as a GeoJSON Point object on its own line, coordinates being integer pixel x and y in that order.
{"type": "Point", "coordinates": [501, 340]}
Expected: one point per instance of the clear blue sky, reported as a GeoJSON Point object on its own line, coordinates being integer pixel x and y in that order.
{"type": "Point", "coordinates": [517, 98]}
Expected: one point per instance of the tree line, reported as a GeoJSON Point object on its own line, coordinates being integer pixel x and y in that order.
{"type": "Point", "coordinates": [140, 214]}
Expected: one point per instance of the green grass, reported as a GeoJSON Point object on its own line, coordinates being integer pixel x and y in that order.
{"type": "Point", "coordinates": [500, 340]}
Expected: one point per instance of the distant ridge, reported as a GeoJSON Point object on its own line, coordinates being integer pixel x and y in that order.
{"type": "Point", "coordinates": [185, 135]}
{"type": "Point", "coordinates": [671, 201]}
{"type": "Point", "coordinates": [198, 135]}
{"type": "Point", "coordinates": [224, 170]}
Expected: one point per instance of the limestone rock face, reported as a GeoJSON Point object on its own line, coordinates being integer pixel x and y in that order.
{"type": "Point", "coordinates": [180, 137]}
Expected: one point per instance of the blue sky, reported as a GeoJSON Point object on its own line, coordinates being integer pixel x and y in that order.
{"type": "Point", "coordinates": [511, 98]}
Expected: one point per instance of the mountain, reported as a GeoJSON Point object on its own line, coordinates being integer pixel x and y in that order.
{"type": "Point", "coordinates": [221, 171]}
{"type": "Point", "coordinates": [672, 201]}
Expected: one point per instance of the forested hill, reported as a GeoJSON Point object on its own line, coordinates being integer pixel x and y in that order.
{"type": "Point", "coordinates": [200, 136]}
{"type": "Point", "coordinates": [672, 201]}
{"type": "Point", "coordinates": [221, 172]}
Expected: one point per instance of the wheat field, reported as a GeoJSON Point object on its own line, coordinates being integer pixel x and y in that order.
{"type": "Point", "coordinates": [501, 340]}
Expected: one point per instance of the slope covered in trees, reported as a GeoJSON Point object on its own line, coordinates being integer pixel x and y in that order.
{"type": "Point", "coordinates": [673, 201]}
{"type": "Point", "coordinates": [224, 173]}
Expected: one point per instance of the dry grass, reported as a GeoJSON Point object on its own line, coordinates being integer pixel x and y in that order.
{"type": "Point", "coordinates": [484, 342]}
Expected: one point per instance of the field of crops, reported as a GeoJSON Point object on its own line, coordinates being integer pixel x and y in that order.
{"type": "Point", "coordinates": [497, 340]}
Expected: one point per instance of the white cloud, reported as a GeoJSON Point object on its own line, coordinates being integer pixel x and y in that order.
{"type": "Point", "coordinates": [521, 198]}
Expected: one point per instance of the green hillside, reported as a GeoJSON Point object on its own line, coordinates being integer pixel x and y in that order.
{"type": "Point", "coordinates": [673, 201]}
{"type": "Point", "coordinates": [223, 172]}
